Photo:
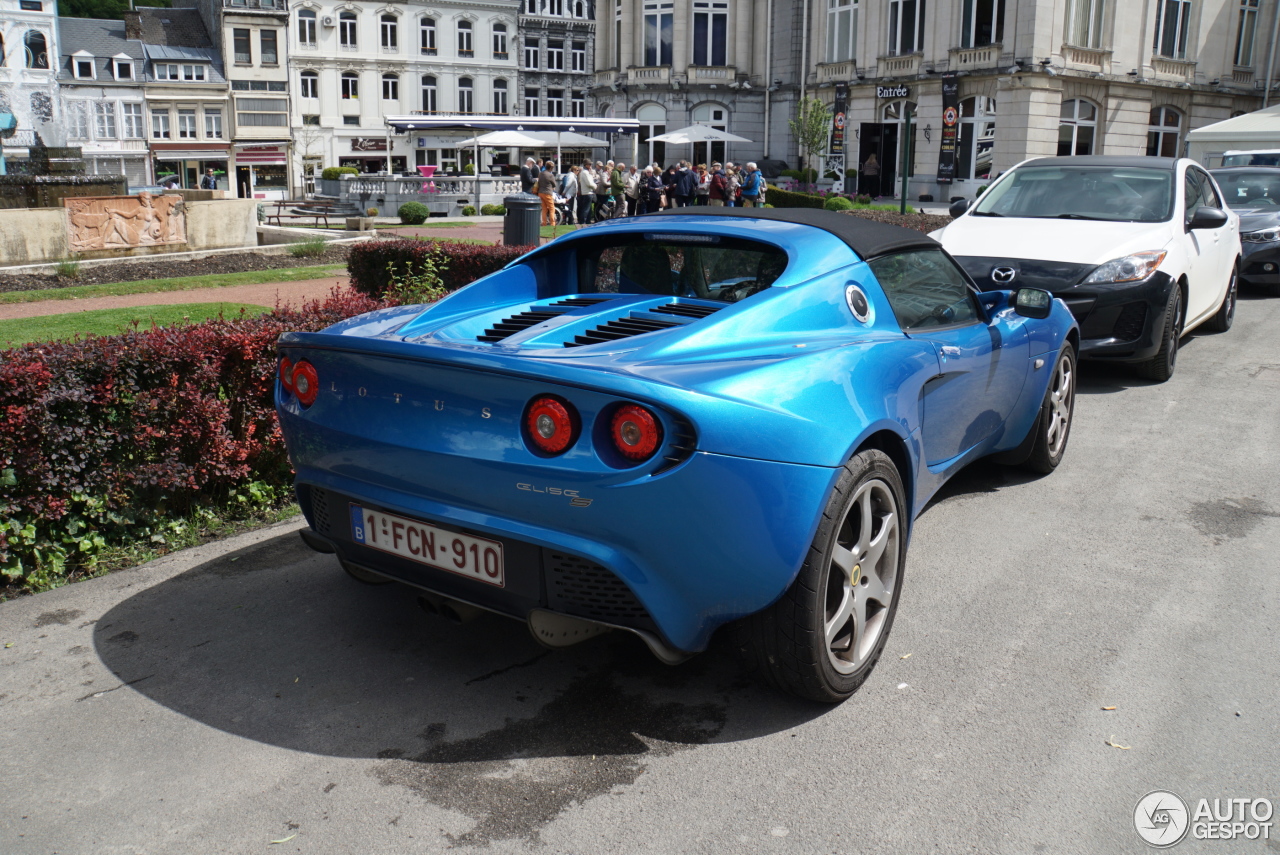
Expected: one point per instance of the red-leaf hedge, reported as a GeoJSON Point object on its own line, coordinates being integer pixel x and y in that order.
{"type": "Point", "coordinates": [370, 263]}
{"type": "Point", "coordinates": [101, 439]}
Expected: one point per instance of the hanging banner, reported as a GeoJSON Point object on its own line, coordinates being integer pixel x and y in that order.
{"type": "Point", "coordinates": [838, 121]}
{"type": "Point", "coordinates": [950, 128]}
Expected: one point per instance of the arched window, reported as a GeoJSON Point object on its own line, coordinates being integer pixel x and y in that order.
{"type": "Point", "coordinates": [390, 87]}
{"type": "Point", "coordinates": [500, 104]}
{"type": "Point", "coordinates": [466, 96]}
{"type": "Point", "coordinates": [429, 102]}
{"type": "Point", "coordinates": [427, 36]}
{"type": "Point", "coordinates": [1077, 127]}
{"type": "Point", "coordinates": [499, 41]}
{"type": "Point", "coordinates": [306, 28]}
{"type": "Point", "coordinates": [389, 33]}
{"type": "Point", "coordinates": [310, 84]}
{"type": "Point", "coordinates": [347, 30]}
{"type": "Point", "coordinates": [977, 138]}
{"type": "Point", "coordinates": [715, 116]}
{"type": "Point", "coordinates": [37, 49]}
{"type": "Point", "coordinates": [464, 39]}
{"type": "Point", "coordinates": [653, 121]}
{"type": "Point", "coordinates": [579, 9]}
{"type": "Point", "coordinates": [1164, 132]}
{"type": "Point", "coordinates": [350, 86]}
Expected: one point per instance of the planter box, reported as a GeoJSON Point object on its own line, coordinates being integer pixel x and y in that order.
{"type": "Point", "coordinates": [359, 224]}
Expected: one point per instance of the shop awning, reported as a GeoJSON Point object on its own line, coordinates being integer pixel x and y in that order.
{"type": "Point", "coordinates": [263, 153]}
{"type": "Point", "coordinates": [482, 124]}
{"type": "Point", "coordinates": [189, 151]}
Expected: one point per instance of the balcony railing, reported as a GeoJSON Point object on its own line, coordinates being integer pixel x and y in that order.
{"type": "Point", "coordinates": [656, 75]}
{"type": "Point", "coordinates": [272, 5]}
{"type": "Point", "coordinates": [711, 73]}
{"type": "Point", "coordinates": [900, 66]}
{"type": "Point", "coordinates": [605, 77]}
{"type": "Point", "coordinates": [1080, 58]}
{"type": "Point", "coordinates": [1242, 76]}
{"type": "Point", "coordinates": [836, 72]}
{"type": "Point", "coordinates": [1173, 69]}
{"type": "Point", "coordinates": [982, 56]}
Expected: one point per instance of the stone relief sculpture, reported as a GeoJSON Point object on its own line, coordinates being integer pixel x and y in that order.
{"type": "Point", "coordinates": [123, 222]}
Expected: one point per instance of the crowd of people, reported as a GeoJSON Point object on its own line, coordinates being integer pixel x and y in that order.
{"type": "Point", "coordinates": [597, 191]}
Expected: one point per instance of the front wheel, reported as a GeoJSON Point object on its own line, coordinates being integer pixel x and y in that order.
{"type": "Point", "coordinates": [1054, 425]}
{"type": "Point", "coordinates": [1226, 314]}
{"type": "Point", "coordinates": [821, 640]}
{"type": "Point", "coordinates": [1160, 367]}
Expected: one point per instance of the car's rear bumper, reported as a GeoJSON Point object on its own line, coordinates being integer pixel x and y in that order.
{"type": "Point", "coordinates": [1121, 323]}
{"type": "Point", "coordinates": [675, 555]}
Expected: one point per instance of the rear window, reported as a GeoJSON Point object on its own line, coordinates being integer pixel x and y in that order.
{"type": "Point", "coordinates": [1124, 194]}
{"type": "Point", "coordinates": [709, 267]}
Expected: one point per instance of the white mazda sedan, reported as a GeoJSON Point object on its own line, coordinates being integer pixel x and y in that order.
{"type": "Point", "coordinates": [1141, 249]}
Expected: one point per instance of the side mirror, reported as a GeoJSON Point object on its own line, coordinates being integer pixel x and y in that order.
{"type": "Point", "coordinates": [1207, 218]}
{"type": "Point", "coordinates": [1033, 303]}
{"type": "Point", "coordinates": [958, 207]}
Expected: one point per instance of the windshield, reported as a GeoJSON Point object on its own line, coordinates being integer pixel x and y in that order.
{"type": "Point", "coordinates": [1248, 189]}
{"type": "Point", "coordinates": [1120, 194]}
{"type": "Point", "coordinates": [1253, 158]}
{"type": "Point", "coordinates": [710, 267]}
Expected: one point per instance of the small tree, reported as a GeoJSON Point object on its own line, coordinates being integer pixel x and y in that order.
{"type": "Point", "coordinates": [811, 128]}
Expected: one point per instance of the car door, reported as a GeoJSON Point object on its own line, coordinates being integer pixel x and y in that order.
{"type": "Point", "coordinates": [1204, 249]}
{"type": "Point", "coordinates": [1224, 242]}
{"type": "Point", "coordinates": [982, 362]}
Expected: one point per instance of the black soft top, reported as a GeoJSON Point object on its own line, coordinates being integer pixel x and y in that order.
{"type": "Point", "coordinates": [867, 238]}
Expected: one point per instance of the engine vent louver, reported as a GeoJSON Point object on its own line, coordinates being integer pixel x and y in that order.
{"type": "Point", "coordinates": [518, 323]}
{"type": "Point", "coordinates": [619, 328]}
{"type": "Point", "coordinates": [576, 302]}
{"type": "Point", "coordinates": [687, 310]}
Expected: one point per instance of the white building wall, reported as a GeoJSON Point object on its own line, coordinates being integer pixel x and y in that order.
{"type": "Point", "coordinates": [30, 93]}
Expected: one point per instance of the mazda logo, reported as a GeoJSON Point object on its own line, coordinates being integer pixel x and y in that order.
{"type": "Point", "coordinates": [1003, 275]}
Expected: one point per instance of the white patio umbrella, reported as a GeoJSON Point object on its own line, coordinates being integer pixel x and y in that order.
{"type": "Point", "coordinates": [533, 139]}
{"type": "Point", "coordinates": [697, 134]}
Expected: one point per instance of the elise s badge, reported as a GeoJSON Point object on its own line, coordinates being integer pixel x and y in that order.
{"type": "Point", "coordinates": [1003, 275]}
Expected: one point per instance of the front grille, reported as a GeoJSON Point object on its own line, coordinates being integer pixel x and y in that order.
{"type": "Point", "coordinates": [1132, 321]}
{"type": "Point", "coordinates": [320, 510]}
{"type": "Point", "coordinates": [576, 586]}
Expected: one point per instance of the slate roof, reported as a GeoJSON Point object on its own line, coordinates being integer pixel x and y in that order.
{"type": "Point", "coordinates": [103, 39]}
{"type": "Point", "coordinates": [172, 27]}
{"type": "Point", "coordinates": [867, 238]}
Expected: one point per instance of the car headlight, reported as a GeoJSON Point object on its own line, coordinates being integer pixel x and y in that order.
{"type": "Point", "coordinates": [1270, 235]}
{"type": "Point", "coordinates": [1129, 268]}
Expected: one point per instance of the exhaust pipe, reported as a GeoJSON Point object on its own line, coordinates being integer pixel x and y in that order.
{"type": "Point", "coordinates": [453, 610]}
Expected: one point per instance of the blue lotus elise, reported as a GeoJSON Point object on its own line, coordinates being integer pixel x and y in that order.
{"type": "Point", "coordinates": [673, 423]}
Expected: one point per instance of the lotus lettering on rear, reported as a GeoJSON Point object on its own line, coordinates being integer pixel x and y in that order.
{"type": "Point", "coordinates": [398, 397]}
{"type": "Point", "coordinates": [575, 500]}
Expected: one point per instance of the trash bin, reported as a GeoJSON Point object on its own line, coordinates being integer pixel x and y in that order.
{"type": "Point", "coordinates": [522, 224]}
{"type": "Point", "coordinates": [851, 184]}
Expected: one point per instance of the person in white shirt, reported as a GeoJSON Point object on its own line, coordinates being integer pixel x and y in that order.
{"type": "Point", "coordinates": [569, 187]}
{"type": "Point", "coordinates": [586, 195]}
{"type": "Point", "coordinates": [632, 191]}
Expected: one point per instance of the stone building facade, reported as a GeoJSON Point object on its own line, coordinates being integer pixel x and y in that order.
{"type": "Point", "coordinates": [556, 47]}
{"type": "Point", "coordinates": [1035, 77]}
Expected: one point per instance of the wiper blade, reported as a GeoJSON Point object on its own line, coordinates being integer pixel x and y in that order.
{"type": "Point", "coordinates": [986, 214]}
{"type": "Point", "coordinates": [1078, 217]}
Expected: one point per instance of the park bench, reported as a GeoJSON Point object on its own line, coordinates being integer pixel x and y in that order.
{"type": "Point", "coordinates": [314, 209]}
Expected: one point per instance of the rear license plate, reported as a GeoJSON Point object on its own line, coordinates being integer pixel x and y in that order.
{"type": "Point", "coordinates": [473, 557]}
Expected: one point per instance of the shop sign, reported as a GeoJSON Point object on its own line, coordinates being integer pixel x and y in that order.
{"type": "Point", "coordinates": [898, 91]}
{"type": "Point", "coordinates": [369, 144]}
{"type": "Point", "coordinates": [950, 128]}
{"type": "Point", "coordinates": [838, 121]}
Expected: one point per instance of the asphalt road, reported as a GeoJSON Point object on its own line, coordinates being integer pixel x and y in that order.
{"type": "Point", "coordinates": [248, 692]}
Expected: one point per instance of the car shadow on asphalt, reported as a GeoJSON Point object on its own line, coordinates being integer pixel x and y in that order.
{"type": "Point", "coordinates": [1098, 377]}
{"type": "Point", "coordinates": [276, 644]}
{"type": "Point", "coordinates": [981, 476]}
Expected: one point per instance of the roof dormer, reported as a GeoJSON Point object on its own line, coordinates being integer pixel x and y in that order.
{"type": "Point", "coordinates": [122, 67]}
{"type": "Point", "coordinates": [82, 65]}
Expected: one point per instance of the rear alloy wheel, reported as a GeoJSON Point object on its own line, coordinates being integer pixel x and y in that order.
{"type": "Point", "coordinates": [822, 639]}
{"type": "Point", "coordinates": [1160, 367]}
{"type": "Point", "coordinates": [1054, 425]}
{"type": "Point", "coordinates": [1226, 314]}
{"type": "Point", "coordinates": [366, 577]}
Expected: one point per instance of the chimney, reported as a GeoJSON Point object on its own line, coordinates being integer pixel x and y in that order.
{"type": "Point", "coordinates": [133, 25]}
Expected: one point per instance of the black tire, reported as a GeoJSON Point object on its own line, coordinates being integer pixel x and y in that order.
{"type": "Point", "coordinates": [787, 644]}
{"type": "Point", "coordinates": [1053, 428]}
{"type": "Point", "coordinates": [363, 576]}
{"type": "Point", "coordinates": [1160, 367]}
{"type": "Point", "coordinates": [1226, 314]}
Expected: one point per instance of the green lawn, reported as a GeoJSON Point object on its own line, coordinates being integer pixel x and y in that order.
{"type": "Point", "coordinates": [111, 321]}
{"type": "Point", "coordinates": [559, 230]}
{"type": "Point", "coordinates": [185, 283]}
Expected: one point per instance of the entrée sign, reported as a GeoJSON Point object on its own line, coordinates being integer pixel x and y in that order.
{"type": "Point", "coordinates": [893, 91]}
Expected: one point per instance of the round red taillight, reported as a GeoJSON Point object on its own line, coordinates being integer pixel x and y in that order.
{"type": "Point", "coordinates": [286, 374]}
{"type": "Point", "coordinates": [552, 425]}
{"type": "Point", "coordinates": [306, 383]}
{"type": "Point", "coordinates": [636, 432]}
